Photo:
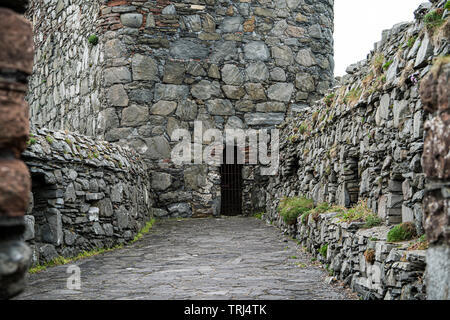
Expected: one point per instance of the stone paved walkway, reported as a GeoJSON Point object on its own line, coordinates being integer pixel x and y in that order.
{"type": "Point", "coordinates": [226, 258]}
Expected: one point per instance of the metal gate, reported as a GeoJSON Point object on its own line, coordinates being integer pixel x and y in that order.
{"type": "Point", "coordinates": [231, 187]}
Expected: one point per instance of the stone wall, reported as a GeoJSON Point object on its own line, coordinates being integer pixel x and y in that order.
{"type": "Point", "coordinates": [161, 65]}
{"type": "Point", "coordinates": [65, 90]}
{"type": "Point", "coordinates": [363, 260]}
{"type": "Point", "coordinates": [364, 141]}
{"type": "Point", "coordinates": [435, 96]}
{"type": "Point", "coordinates": [16, 60]}
{"type": "Point", "coordinates": [86, 195]}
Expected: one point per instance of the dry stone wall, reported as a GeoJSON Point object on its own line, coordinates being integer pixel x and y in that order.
{"type": "Point", "coordinates": [65, 87]}
{"type": "Point", "coordinates": [364, 141]}
{"type": "Point", "coordinates": [86, 195]}
{"type": "Point", "coordinates": [435, 94]}
{"type": "Point", "coordinates": [161, 65]}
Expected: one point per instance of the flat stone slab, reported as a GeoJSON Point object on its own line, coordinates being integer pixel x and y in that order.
{"type": "Point", "coordinates": [205, 259]}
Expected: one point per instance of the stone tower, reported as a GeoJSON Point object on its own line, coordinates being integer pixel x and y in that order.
{"type": "Point", "coordinates": [132, 72]}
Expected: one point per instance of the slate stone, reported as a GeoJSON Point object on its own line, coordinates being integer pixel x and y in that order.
{"type": "Point", "coordinates": [144, 68]}
{"type": "Point", "coordinates": [188, 49]}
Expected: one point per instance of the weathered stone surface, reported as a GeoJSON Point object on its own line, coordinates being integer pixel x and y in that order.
{"type": "Point", "coordinates": [187, 49]}
{"type": "Point", "coordinates": [117, 75]}
{"type": "Point", "coordinates": [231, 75]}
{"type": "Point", "coordinates": [144, 68]}
{"type": "Point", "coordinates": [134, 116]}
{"type": "Point", "coordinates": [161, 181]}
{"type": "Point", "coordinates": [205, 90]}
{"type": "Point", "coordinates": [132, 20]}
{"type": "Point", "coordinates": [264, 119]}
{"type": "Point", "coordinates": [281, 92]}
{"type": "Point", "coordinates": [233, 92]}
{"type": "Point", "coordinates": [163, 108]}
{"type": "Point", "coordinates": [170, 92]}
{"type": "Point", "coordinates": [256, 50]}
{"type": "Point", "coordinates": [117, 96]}
{"type": "Point", "coordinates": [283, 55]}
{"type": "Point", "coordinates": [257, 72]}
{"type": "Point", "coordinates": [220, 107]}
{"type": "Point", "coordinates": [305, 58]}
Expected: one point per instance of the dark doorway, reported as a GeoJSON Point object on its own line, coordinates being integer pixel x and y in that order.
{"type": "Point", "coordinates": [231, 185]}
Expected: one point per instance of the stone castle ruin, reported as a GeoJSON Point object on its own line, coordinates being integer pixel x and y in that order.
{"type": "Point", "coordinates": [112, 81]}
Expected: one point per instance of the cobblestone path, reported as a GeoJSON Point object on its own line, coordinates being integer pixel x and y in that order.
{"type": "Point", "coordinates": [224, 258]}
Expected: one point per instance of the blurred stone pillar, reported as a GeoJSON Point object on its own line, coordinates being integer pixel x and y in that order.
{"type": "Point", "coordinates": [16, 62]}
{"type": "Point", "coordinates": [435, 95]}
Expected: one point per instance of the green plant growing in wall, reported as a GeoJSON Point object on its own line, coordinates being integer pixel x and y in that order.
{"type": "Point", "coordinates": [258, 215]}
{"type": "Point", "coordinates": [49, 139]}
{"type": "Point", "coordinates": [411, 41]}
{"type": "Point", "coordinates": [329, 99]}
{"type": "Point", "coordinates": [387, 64]}
{"type": "Point", "coordinates": [93, 39]}
{"type": "Point", "coordinates": [434, 20]}
{"type": "Point", "coordinates": [402, 232]}
{"type": "Point", "coordinates": [323, 250]}
{"type": "Point", "coordinates": [31, 141]}
{"type": "Point", "coordinates": [372, 220]}
{"type": "Point", "coordinates": [291, 208]}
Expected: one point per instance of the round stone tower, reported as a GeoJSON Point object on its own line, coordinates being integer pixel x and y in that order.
{"type": "Point", "coordinates": [132, 72]}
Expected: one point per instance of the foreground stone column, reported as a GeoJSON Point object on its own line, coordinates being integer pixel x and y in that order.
{"type": "Point", "coordinates": [16, 62]}
{"type": "Point", "coordinates": [436, 163]}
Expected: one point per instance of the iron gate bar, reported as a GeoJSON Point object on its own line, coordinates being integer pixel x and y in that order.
{"type": "Point", "coordinates": [231, 187]}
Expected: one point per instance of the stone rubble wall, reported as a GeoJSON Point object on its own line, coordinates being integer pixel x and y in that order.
{"type": "Point", "coordinates": [65, 90]}
{"type": "Point", "coordinates": [364, 141]}
{"type": "Point", "coordinates": [161, 65]}
{"type": "Point", "coordinates": [16, 61]}
{"type": "Point", "coordinates": [86, 194]}
{"type": "Point", "coordinates": [435, 95]}
{"type": "Point", "coordinates": [390, 272]}
{"type": "Point", "coordinates": [367, 142]}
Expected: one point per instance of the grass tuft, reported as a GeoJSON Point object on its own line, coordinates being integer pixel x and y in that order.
{"type": "Point", "coordinates": [291, 208]}
{"type": "Point", "coordinates": [402, 232]}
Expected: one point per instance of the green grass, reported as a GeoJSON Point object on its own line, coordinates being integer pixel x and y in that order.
{"type": "Point", "coordinates": [329, 99]}
{"type": "Point", "coordinates": [387, 64]}
{"type": "Point", "coordinates": [402, 232]}
{"type": "Point", "coordinates": [411, 41]}
{"type": "Point", "coordinates": [291, 208]}
{"type": "Point", "coordinates": [323, 250]}
{"type": "Point", "coordinates": [434, 19]}
{"type": "Point", "coordinates": [49, 139]}
{"type": "Point", "coordinates": [358, 213]}
{"type": "Point", "coordinates": [447, 5]}
{"type": "Point", "coordinates": [372, 220]}
{"type": "Point", "coordinates": [61, 260]}
{"type": "Point", "coordinates": [31, 141]}
{"type": "Point", "coordinates": [144, 230]}
{"type": "Point", "coordinates": [258, 215]}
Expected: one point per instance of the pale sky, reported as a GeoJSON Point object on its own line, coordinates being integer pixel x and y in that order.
{"type": "Point", "coordinates": [358, 25]}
